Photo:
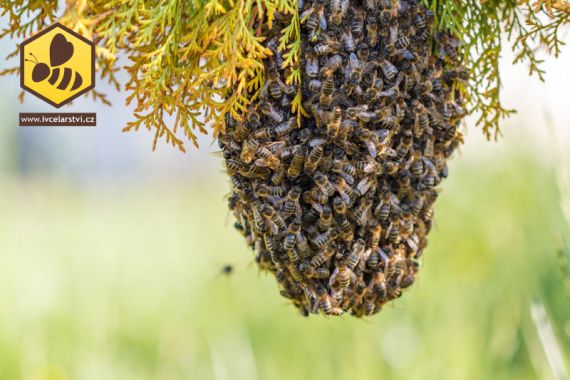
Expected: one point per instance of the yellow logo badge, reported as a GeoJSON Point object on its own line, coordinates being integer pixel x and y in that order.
{"type": "Point", "coordinates": [57, 65]}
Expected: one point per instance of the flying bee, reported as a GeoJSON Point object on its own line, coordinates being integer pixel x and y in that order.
{"type": "Point", "coordinates": [313, 159]}
{"type": "Point", "coordinates": [327, 91]}
{"type": "Point", "coordinates": [331, 65]}
{"type": "Point", "coordinates": [42, 71]}
{"type": "Point", "coordinates": [297, 162]}
{"type": "Point", "coordinates": [333, 126]}
{"type": "Point", "coordinates": [324, 184]}
{"type": "Point", "coordinates": [338, 10]}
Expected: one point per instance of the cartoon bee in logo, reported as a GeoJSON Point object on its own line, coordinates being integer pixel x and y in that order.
{"type": "Point", "coordinates": [61, 51]}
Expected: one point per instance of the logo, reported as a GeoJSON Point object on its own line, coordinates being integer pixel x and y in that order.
{"type": "Point", "coordinates": [57, 65]}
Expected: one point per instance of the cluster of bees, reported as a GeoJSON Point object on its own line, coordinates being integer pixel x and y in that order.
{"type": "Point", "coordinates": [338, 207]}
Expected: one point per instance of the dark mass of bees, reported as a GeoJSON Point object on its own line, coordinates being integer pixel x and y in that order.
{"type": "Point", "coordinates": [338, 207]}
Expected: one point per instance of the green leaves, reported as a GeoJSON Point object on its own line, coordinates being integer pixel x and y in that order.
{"type": "Point", "coordinates": [481, 24]}
{"type": "Point", "coordinates": [192, 60]}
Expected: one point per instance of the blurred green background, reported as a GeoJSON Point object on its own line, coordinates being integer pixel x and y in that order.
{"type": "Point", "coordinates": [111, 258]}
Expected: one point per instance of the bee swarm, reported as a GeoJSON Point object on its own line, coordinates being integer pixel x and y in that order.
{"type": "Point", "coordinates": [338, 208]}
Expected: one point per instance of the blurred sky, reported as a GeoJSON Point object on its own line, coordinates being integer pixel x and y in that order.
{"type": "Point", "coordinates": [91, 154]}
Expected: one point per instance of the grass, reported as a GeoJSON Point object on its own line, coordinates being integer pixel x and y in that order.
{"type": "Point", "coordinates": [124, 283]}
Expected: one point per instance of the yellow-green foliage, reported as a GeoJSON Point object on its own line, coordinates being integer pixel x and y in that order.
{"type": "Point", "coordinates": [480, 24]}
{"type": "Point", "coordinates": [194, 60]}
{"type": "Point", "coordinates": [199, 60]}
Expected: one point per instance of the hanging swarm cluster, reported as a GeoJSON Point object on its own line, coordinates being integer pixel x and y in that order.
{"type": "Point", "coordinates": [338, 208]}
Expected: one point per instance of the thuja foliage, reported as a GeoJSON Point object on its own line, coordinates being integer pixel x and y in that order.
{"type": "Point", "coordinates": [191, 63]}
{"type": "Point", "coordinates": [480, 25]}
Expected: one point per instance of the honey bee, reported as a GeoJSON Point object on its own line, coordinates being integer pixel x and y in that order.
{"type": "Point", "coordinates": [313, 159]}
{"type": "Point", "coordinates": [346, 230]}
{"type": "Point", "coordinates": [315, 21]}
{"type": "Point", "coordinates": [327, 90]}
{"type": "Point", "coordinates": [357, 22]}
{"type": "Point", "coordinates": [277, 177]}
{"type": "Point", "coordinates": [341, 276]}
{"type": "Point", "coordinates": [321, 258]}
{"type": "Point", "coordinates": [315, 85]}
{"type": "Point", "coordinates": [297, 162]}
{"type": "Point", "coordinates": [388, 69]}
{"type": "Point", "coordinates": [325, 218]}
{"type": "Point", "coordinates": [312, 66]}
{"type": "Point", "coordinates": [291, 205]}
{"type": "Point", "coordinates": [328, 46]}
{"type": "Point", "coordinates": [331, 65]}
{"type": "Point", "coordinates": [335, 118]}
{"type": "Point", "coordinates": [354, 72]}
{"type": "Point", "coordinates": [269, 192]}
{"type": "Point", "coordinates": [372, 30]}
{"type": "Point", "coordinates": [339, 206]}
{"type": "Point", "coordinates": [417, 166]}
{"type": "Point", "coordinates": [348, 41]}
{"type": "Point", "coordinates": [268, 159]}
{"type": "Point", "coordinates": [324, 184]}
{"type": "Point", "coordinates": [324, 239]}
{"type": "Point", "coordinates": [361, 212]}
{"type": "Point", "coordinates": [370, 5]}
{"type": "Point", "coordinates": [326, 303]}
{"type": "Point", "coordinates": [249, 147]}
{"type": "Point", "coordinates": [344, 190]}
{"type": "Point", "coordinates": [268, 110]}
{"type": "Point", "coordinates": [369, 166]}
{"type": "Point", "coordinates": [393, 233]}
{"type": "Point", "coordinates": [345, 170]}
{"type": "Point", "coordinates": [338, 9]}
{"type": "Point", "coordinates": [273, 219]}
{"type": "Point", "coordinates": [379, 284]}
